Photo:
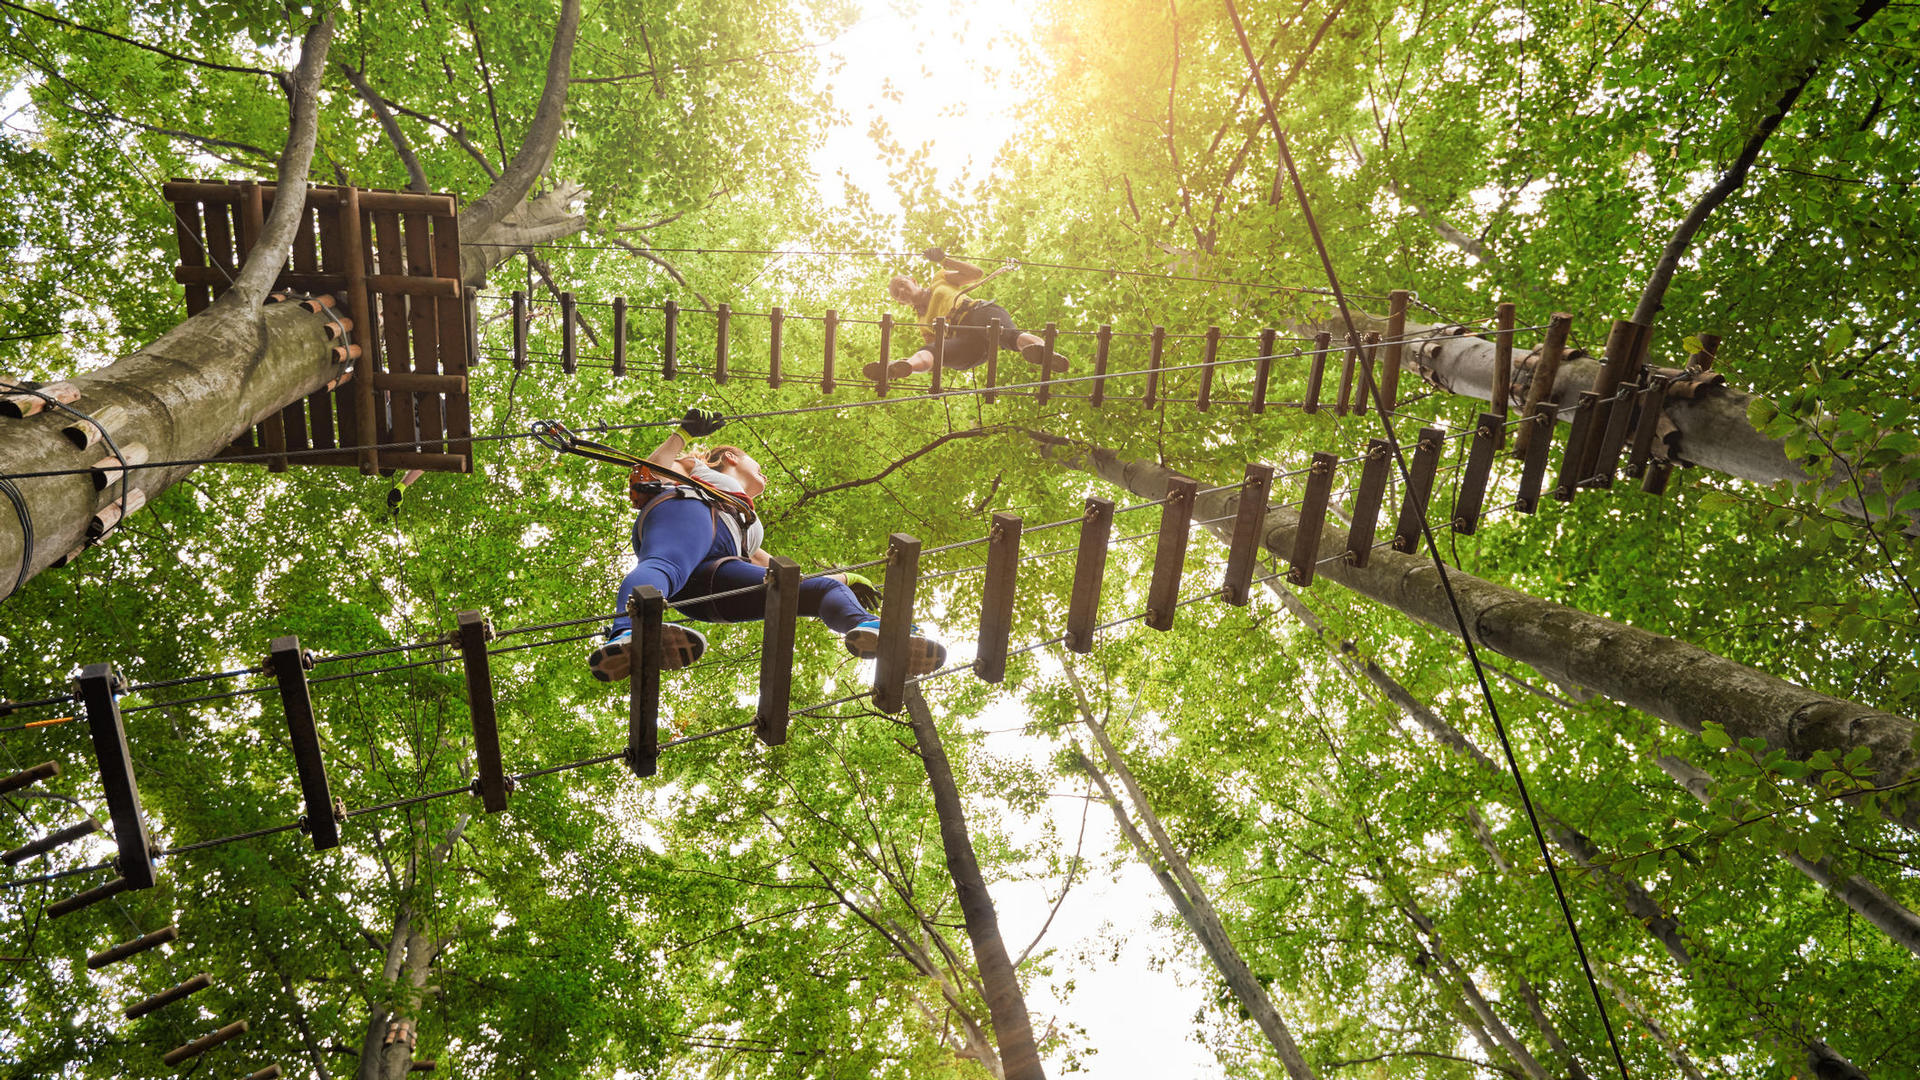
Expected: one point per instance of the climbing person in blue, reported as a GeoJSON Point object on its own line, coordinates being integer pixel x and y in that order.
{"type": "Point", "coordinates": [695, 541]}
{"type": "Point", "coordinates": [969, 322]}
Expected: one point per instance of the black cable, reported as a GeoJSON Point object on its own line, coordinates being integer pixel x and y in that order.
{"type": "Point", "coordinates": [1433, 548]}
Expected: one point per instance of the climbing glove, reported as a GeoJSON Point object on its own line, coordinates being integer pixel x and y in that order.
{"type": "Point", "coordinates": [864, 591]}
{"type": "Point", "coordinates": [935, 254]}
{"type": "Point", "coordinates": [699, 423]}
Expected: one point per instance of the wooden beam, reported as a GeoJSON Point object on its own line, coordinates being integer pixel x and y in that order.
{"type": "Point", "coordinates": [619, 336]}
{"type": "Point", "coordinates": [1502, 368]}
{"type": "Point", "coordinates": [1396, 347]}
{"type": "Point", "coordinates": [1468, 504]}
{"type": "Point", "coordinates": [1413, 508]}
{"type": "Point", "coordinates": [939, 350]}
{"type": "Point", "coordinates": [519, 330]}
{"type": "Point", "coordinates": [669, 339]}
{"type": "Point", "coordinates": [1248, 523]}
{"type": "Point", "coordinates": [1047, 335]}
{"type": "Point", "coordinates": [1156, 351]}
{"type": "Point", "coordinates": [167, 997]}
{"type": "Point", "coordinates": [204, 1043]}
{"type": "Point", "coordinates": [78, 901]}
{"type": "Point", "coordinates": [473, 634]}
{"type": "Point", "coordinates": [289, 664]}
{"type": "Point", "coordinates": [1263, 371]}
{"type": "Point", "coordinates": [776, 650]}
{"type": "Point", "coordinates": [1089, 572]}
{"type": "Point", "coordinates": [1658, 473]}
{"type": "Point", "coordinates": [724, 314]}
{"type": "Point", "coordinates": [1170, 552]}
{"type": "Point", "coordinates": [832, 323]}
{"type": "Point", "coordinates": [1349, 359]}
{"type": "Point", "coordinates": [1366, 501]}
{"type": "Point", "coordinates": [133, 948]}
{"type": "Point", "coordinates": [886, 352]}
{"type": "Point", "coordinates": [1577, 439]}
{"type": "Point", "coordinates": [57, 839]}
{"type": "Point", "coordinates": [116, 774]}
{"type": "Point", "coordinates": [32, 774]}
{"type": "Point", "coordinates": [1313, 518]}
{"type": "Point", "coordinates": [1210, 354]}
{"type": "Point", "coordinates": [1653, 405]}
{"type": "Point", "coordinates": [996, 597]}
{"type": "Point", "coordinates": [1545, 370]}
{"type": "Point", "coordinates": [1317, 372]}
{"type": "Point", "coordinates": [1541, 420]}
{"type": "Point", "coordinates": [994, 333]}
{"type": "Point", "coordinates": [569, 335]}
{"type": "Point", "coordinates": [775, 319]}
{"type": "Point", "coordinates": [1607, 462]}
{"type": "Point", "coordinates": [896, 622]}
{"type": "Point", "coordinates": [1102, 341]}
{"type": "Point", "coordinates": [646, 610]}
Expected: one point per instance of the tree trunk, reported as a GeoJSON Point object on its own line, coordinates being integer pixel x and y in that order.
{"type": "Point", "coordinates": [1866, 899]}
{"type": "Point", "coordinates": [1006, 1005]}
{"type": "Point", "coordinates": [1680, 684]}
{"type": "Point", "coordinates": [1463, 982]}
{"type": "Point", "coordinates": [1681, 1062]}
{"type": "Point", "coordinates": [1549, 1030]}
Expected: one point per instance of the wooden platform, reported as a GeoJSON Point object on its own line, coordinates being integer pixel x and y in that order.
{"type": "Point", "coordinates": [392, 260]}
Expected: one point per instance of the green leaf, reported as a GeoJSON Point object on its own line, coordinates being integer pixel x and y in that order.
{"type": "Point", "coordinates": [1715, 736]}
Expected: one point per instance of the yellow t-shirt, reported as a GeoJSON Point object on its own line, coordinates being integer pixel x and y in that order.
{"type": "Point", "coordinates": [943, 294]}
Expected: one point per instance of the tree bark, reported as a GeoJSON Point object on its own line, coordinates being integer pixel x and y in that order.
{"type": "Point", "coordinates": [1006, 1005]}
{"type": "Point", "coordinates": [1489, 1020]}
{"type": "Point", "coordinates": [197, 388]}
{"type": "Point", "coordinates": [1866, 899]}
{"type": "Point", "coordinates": [1680, 684]}
{"type": "Point", "coordinates": [1687, 1069]}
{"type": "Point", "coordinates": [1549, 1030]}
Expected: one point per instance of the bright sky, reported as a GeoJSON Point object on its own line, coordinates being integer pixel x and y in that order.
{"type": "Point", "coordinates": [967, 73]}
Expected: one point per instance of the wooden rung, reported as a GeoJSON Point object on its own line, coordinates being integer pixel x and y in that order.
{"type": "Point", "coordinates": [133, 948]}
{"type": "Point", "coordinates": [1263, 371]}
{"type": "Point", "coordinates": [1545, 371]}
{"type": "Point", "coordinates": [116, 774]}
{"type": "Point", "coordinates": [724, 313]}
{"type": "Point", "coordinates": [1102, 341]}
{"type": "Point", "coordinates": [289, 665]}
{"type": "Point", "coordinates": [1349, 357]}
{"type": "Point", "coordinates": [1243, 554]}
{"type": "Point", "coordinates": [204, 1043]}
{"type": "Point", "coordinates": [886, 353]}
{"type": "Point", "coordinates": [775, 319]}
{"type": "Point", "coordinates": [1366, 501]}
{"type": "Point", "coordinates": [996, 597]}
{"type": "Point", "coordinates": [1653, 404]}
{"type": "Point", "coordinates": [1363, 388]}
{"type": "Point", "coordinates": [424, 1065]}
{"type": "Point", "coordinates": [776, 650]}
{"type": "Point", "coordinates": [49, 842]}
{"type": "Point", "coordinates": [1048, 334]}
{"type": "Point", "coordinates": [1395, 347]}
{"type": "Point", "coordinates": [1155, 352]}
{"type": "Point", "coordinates": [167, 997]}
{"type": "Point", "coordinates": [1569, 482]}
{"type": "Point", "coordinates": [69, 905]}
{"type": "Point", "coordinates": [1170, 552]}
{"type": "Point", "coordinates": [473, 633]}
{"type": "Point", "coordinates": [1089, 572]}
{"type": "Point", "coordinates": [271, 1072]}
{"type": "Point", "coordinates": [619, 336]}
{"type": "Point", "coordinates": [412, 285]}
{"type": "Point", "coordinates": [1619, 417]}
{"type": "Point", "coordinates": [995, 332]}
{"type": "Point", "coordinates": [569, 355]}
{"type": "Point", "coordinates": [1502, 368]}
{"type": "Point", "coordinates": [1658, 473]}
{"type": "Point", "coordinates": [832, 323]}
{"type": "Point", "coordinates": [1204, 399]}
{"type": "Point", "coordinates": [1473, 483]}
{"type": "Point", "coordinates": [1413, 508]}
{"type": "Point", "coordinates": [1313, 518]}
{"type": "Point", "coordinates": [896, 622]}
{"type": "Point", "coordinates": [646, 611]}
{"type": "Point", "coordinates": [1621, 341]}
{"type": "Point", "coordinates": [1316, 373]}
{"type": "Point", "coordinates": [33, 774]}
{"type": "Point", "coordinates": [669, 339]}
{"type": "Point", "coordinates": [1542, 418]}
{"type": "Point", "coordinates": [519, 330]}
{"type": "Point", "coordinates": [939, 350]}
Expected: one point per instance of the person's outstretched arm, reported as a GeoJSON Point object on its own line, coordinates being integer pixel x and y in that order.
{"type": "Point", "coordinates": [958, 273]}
{"type": "Point", "coordinates": [693, 425]}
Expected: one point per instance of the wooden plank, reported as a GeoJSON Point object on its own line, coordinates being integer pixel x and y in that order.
{"type": "Point", "coordinates": [775, 318]}
{"type": "Point", "coordinates": [724, 313]}
{"type": "Point", "coordinates": [1413, 508]}
{"type": "Point", "coordinates": [1243, 553]}
{"type": "Point", "coordinates": [323, 405]}
{"type": "Point", "coordinates": [1570, 476]}
{"type": "Point", "coordinates": [306, 253]}
{"type": "Point", "coordinates": [996, 597]}
{"type": "Point", "coordinates": [1658, 473]}
{"type": "Point", "coordinates": [619, 336]}
{"type": "Point", "coordinates": [1467, 506]}
{"type": "Point", "coordinates": [473, 635]}
{"type": "Point", "coordinates": [1263, 371]}
{"type": "Point", "coordinates": [116, 774]}
{"type": "Point", "coordinates": [390, 257]}
{"type": "Point", "coordinates": [831, 321]}
{"type": "Point", "coordinates": [569, 343]}
{"type": "Point", "coordinates": [1503, 316]}
{"type": "Point", "coordinates": [1170, 552]}
{"type": "Point", "coordinates": [397, 459]}
{"type": "Point", "coordinates": [167, 997]}
{"type": "Point", "coordinates": [1365, 387]}
{"type": "Point", "coordinates": [271, 1072]}
{"type": "Point", "coordinates": [646, 609]}
{"type": "Point", "coordinates": [520, 330]}
{"type": "Point", "coordinates": [1395, 350]}
{"type": "Point", "coordinates": [776, 650]}
{"type": "Point", "coordinates": [1621, 339]}
{"type": "Point", "coordinates": [1349, 360]}
{"type": "Point", "coordinates": [939, 351]}
{"type": "Point", "coordinates": [67, 905]}
{"type": "Point", "coordinates": [424, 285]}
{"type": "Point", "coordinates": [133, 948]}
{"type": "Point", "coordinates": [1102, 341]}
{"type": "Point", "coordinates": [1542, 418]}
{"type": "Point", "coordinates": [1546, 370]}
{"type": "Point", "coordinates": [204, 1043]}
{"type": "Point", "coordinates": [324, 195]}
{"type": "Point", "coordinates": [669, 339]}
{"type": "Point", "coordinates": [1316, 372]}
{"type": "Point", "coordinates": [288, 663]}
{"type": "Point", "coordinates": [1366, 501]}
{"type": "Point", "coordinates": [1047, 336]}
{"type": "Point", "coordinates": [32, 774]}
{"type": "Point", "coordinates": [424, 326]}
{"type": "Point", "coordinates": [886, 352]}
{"type": "Point", "coordinates": [896, 622]}
{"type": "Point", "coordinates": [222, 266]}
{"type": "Point", "coordinates": [1209, 356]}
{"type": "Point", "coordinates": [1614, 440]}
{"type": "Point", "coordinates": [250, 217]}
{"type": "Point", "coordinates": [456, 334]}
{"type": "Point", "coordinates": [1089, 572]}
{"type": "Point", "coordinates": [995, 331]}
{"type": "Point", "coordinates": [1653, 406]}
{"type": "Point", "coordinates": [193, 251]}
{"type": "Point", "coordinates": [1709, 350]}
{"type": "Point", "coordinates": [1156, 352]}
{"type": "Point", "coordinates": [1313, 518]}
{"type": "Point", "coordinates": [367, 426]}
{"type": "Point", "coordinates": [407, 382]}
{"type": "Point", "coordinates": [59, 838]}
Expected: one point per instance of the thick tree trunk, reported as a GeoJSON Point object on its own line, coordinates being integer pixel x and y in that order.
{"type": "Point", "coordinates": [1549, 1030]}
{"type": "Point", "coordinates": [1006, 1005]}
{"type": "Point", "coordinates": [1867, 900]}
{"type": "Point", "coordinates": [1681, 1061]}
{"type": "Point", "coordinates": [1680, 684]}
{"type": "Point", "coordinates": [1463, 982]}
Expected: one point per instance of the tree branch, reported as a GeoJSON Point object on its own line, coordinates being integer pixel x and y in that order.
{"type": "Point", "coordinates": [543, 136]}
{"type": "Point", "coordinates": [276, 235]}
{"type": "Point", "coordinates": [965, 433]}
{"type": "Point", "coordinates": [169, 54]}
{"type": "Point", "coordinates": [417, 177]}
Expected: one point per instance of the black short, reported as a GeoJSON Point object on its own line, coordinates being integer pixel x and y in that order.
{"type": "Point", "coordinates": [967, 348]}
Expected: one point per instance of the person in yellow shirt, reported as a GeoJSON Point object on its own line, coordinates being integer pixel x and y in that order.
{"type": "Point", "coordinates": [969, 321]}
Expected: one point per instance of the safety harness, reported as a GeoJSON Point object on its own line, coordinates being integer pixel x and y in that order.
{"type": "Point", "coordinates": [648, 484]}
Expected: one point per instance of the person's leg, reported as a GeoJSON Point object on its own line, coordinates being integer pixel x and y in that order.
{"type": "Point", "coordinates": [674, 539]}
{"type": "Point", "coordinates": [832, 602]}
{"type": "Point", "coordinates": [724, 575]}
{"type": "Point", "coordinates": [921, 361]}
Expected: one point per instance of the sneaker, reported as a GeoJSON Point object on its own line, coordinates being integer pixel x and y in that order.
{"type": "Point", "coordinates": [923, 653]}
{"type": "Point", "coordinates": [899, 369]}
{"type": "Point", "coordinates": [1038, 356]}
{"type": "Point", "coordinates": [612, 660]}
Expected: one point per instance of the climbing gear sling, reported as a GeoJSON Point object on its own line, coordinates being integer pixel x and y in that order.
{"type": "Point", "coordinates": [648, 484]}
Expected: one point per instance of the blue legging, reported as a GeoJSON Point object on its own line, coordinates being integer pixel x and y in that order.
{"type": "Point", "coordinates": [684, 553]}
